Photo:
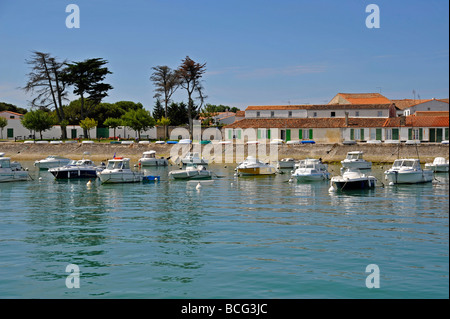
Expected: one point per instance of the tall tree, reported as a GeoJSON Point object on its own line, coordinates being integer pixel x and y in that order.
{"type": "Point", "coordinates": [139, 120]}
{"type": "Point", "coordinates": [114, 123]}
{"type": "Point", "coordinates": [190, 74]}
{"type": "Point", "coordinates": [87, 78]}
{"type": "Point", "coordinates": [45, 79]}
{"type": "Point", "coordinates": [158, 111]}
{"type": "Point", "coordinates": [88, 124]}
{"type": "Point", "coordinates": [166, 82]}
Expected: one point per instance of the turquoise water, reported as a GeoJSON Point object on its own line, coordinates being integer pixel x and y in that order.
{"type": "Point", "coordinates": [247, 237]}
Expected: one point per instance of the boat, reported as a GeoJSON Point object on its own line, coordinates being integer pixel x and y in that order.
{"type": "Point", "coordinates": [253, 166]}
{"type": "Point", "coordinates": [355, 159]}
{"type": "Point", "coordinates": [149, 159]}
{"type": "Point", "coordinates": [352, 179]}
{"type": "Point", "coordinates": [84, 168]}
{"type": "Point", "coordinates": [11, 172]}
{"type": "Point", "coordinates": [192, 171]}
{"type": "Point", "coordinates": [194, 158]}
{"type": "Point", "coordinates": [311, 170]}
{"type": "Point", "coordinates": [118, 170]}
{"type": "Point", "coordinates": [408, 171]}
{"type": "Point", "coordinates": [286, 163]}
{"type": "Point", "coordinates": [439, 165]}
{"type": "Point", "coordinates": [51, 162]}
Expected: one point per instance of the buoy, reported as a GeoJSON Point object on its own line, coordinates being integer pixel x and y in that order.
{"type": "Point", "coordinates": [290, 180]}
{"type": "Point", "coordinates": [40, 178]}
{"type": "Point", "coordinates": [198, 186]}
{"type": "Point", "coordinates": [331, 189]}
{"type": "Point", "coordinates": [89, 183]}
{"type": "Point", "coordinates": [156, 179]}
{"type": "Point", "coordinates": [231, 184]}
{"type": "Point", "coordinates": [391, 184]}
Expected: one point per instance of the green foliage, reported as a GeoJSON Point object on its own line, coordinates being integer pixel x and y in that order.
{"type": "Point", "coordinates": [3, 123]}
{"type": "Point", "coordinates": [158, 110]}
{"type": "Point", "coordinates": [139, 120]}
{"type": "Point", "coordinates": [163, 121]}
{"type": "Point", "coordinates": [88, 124]}
{"type": "Point", "coordinates": [113, 122]}
{"type": "Point", "coordinates": [12, 108]}
{"type": "Point", "coordinates": [38, 121]}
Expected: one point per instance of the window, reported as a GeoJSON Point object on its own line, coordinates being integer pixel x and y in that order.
{"type": "Point", "coordinates": [357, 113]}
{"type": "Point", "coordinates": [333, 114]}
{"type": "Point", "coordinates": [11, 116]}
{"type": "Point", "coordinates": [290, 114]}
{"type": "Point", "coordinates": [380, 113]}
{"type": "Point", "coordinates": [258, 114]}
{"type": "Point", "coordinates": [315, 114]}
{"type": "Point", "coordinates": [272, 114]}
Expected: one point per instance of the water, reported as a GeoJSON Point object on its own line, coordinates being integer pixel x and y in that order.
{"type": "Point", "coordinates": [247, 237]}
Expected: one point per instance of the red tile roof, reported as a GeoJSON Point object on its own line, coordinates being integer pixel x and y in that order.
{"type": "Point", "coordinates": [307, 123]}
{"type": "Point", "coordinates": [365, 98]}
{"type": "Point", "coordinates": [319, 107]}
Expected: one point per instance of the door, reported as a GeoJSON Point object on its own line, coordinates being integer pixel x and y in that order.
{"type": "Point", "coordinates": [438, 135]}
{"type": "Point", "coordinates": [288, 135]}
{"type": "Point", "coordinates": [378, 134]}
{"type": "Point", "coordinates": [103, 132]}
{"type": "Point", "coordinates": [395, 134]}
{"type": "Point", "coordinates": [283, 134]}
{"type": "Point", "coordinates": [10, 133]}
{"type": "Point", "coordinates": [73, 133]}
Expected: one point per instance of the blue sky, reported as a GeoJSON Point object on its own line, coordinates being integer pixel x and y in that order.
{"type": "Point", "coordinates": [257, 52]}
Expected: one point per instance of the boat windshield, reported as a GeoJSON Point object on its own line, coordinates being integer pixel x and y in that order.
{"type": "Point", "coordinates": [151, 155]}
{"type": "Point", "coordinates": [5, 164]}
{"type": "Point", "coordinates": [354, 156]}
{"type": "Point", "coordinates": [118, 165]}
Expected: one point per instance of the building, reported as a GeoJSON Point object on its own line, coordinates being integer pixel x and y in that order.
{"type": "Point", "coordinates": [411, 106]}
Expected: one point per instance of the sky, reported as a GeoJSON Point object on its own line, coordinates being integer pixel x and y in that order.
{"type": "Point", "coordinates": [257, 52]}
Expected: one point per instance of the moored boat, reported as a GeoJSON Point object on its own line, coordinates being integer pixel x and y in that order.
{"type": "Point", "coordinates": [352, 179]}
{"type": "Point", "coordinates": [10, 172]}
{"type": "Point", "coordinates": [253, 166]}
{"type": "Point", "coordinates": [194, 158]}
{"type": "Point", "coordinates": [439, 165]}
{"type": "Point", "coordinates": [51, 162]}
{"type": "Point", "coordinates": [149, 159]}
{"type": "Point", "coordinates": [408, 171]}
{"type": "Point", "coordinates": [286, 163]}
{"type": "Point", "coordinates": [192, 172]}
{"type": "Point", "coordinates": [311, 170]}
{"type": "Point", "coordinates": [118, 170]}
{"type": "Point", "coordinates": [355, 159]}
{"type": "Point", "coordinates": [84, 168]}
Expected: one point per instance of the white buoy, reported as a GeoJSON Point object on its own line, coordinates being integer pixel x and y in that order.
{"type": "Point", "coordinates": [231, 184]}
{"type": "Point", "coordinates": [89, 184]}
{"type": "Point", "coordinates": [156, 179]}
{"type": "Point", "coordinates": [331, 189]}
{"type": "Point", "coordinates": [391, 184]}
{"type": "Point", "coordinates": [290, 180]}
{"type": "Point", "coordinates": [198, 186]}
{"type": "Point", "coordinates": [40, 178]}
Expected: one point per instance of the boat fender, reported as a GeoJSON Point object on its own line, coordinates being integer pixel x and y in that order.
{"type": "Point", "coordinates": [198, 186]}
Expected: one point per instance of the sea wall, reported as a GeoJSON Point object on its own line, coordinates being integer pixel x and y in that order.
{"type": "Point", "coordinates": [377, 153]}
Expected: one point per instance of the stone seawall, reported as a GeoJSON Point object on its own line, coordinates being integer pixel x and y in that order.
{"type": "Point", "coordinates": [377, 153]}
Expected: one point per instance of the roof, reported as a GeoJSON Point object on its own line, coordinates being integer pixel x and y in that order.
{"type": "Point", "coordinates": [11, 113]}
{"type": "Point", "coordinates": [418, 121]}
{"type": "Point", "coordinates": [364, 98]}
{"type": "Point", "coordinates": [406, 103]}
{"type": "Point", "coordinates": [319, 107]}
{"type": "Point", "coordinates": [240, 114]}
{"type": "Point", "coordinates": [431, 113]}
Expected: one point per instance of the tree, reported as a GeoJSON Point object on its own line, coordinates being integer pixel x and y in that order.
{"type": "Point", "coordinates": [12, 108]}
{"type": "Point", "coordinates": [158, 111]}
{"type": "Point", "coordinates": [139, 120]}
{"type": "Point", "coordinates": [38, 121]}
{"type": "Point", "coordinates": [87, 124]}
{"type": "Point", "coordinates": [178, 114]}
{"type": "Point", "coordinates": [3, 123]}
{"type": "Point", "coordinates": [163, 121]}
{"type": "Point", "coordinates": [87, 77]}
{"type": "Point", "coordinates": [166, 82]}
{"type": "Point", "coordinates": [113, 122]}
{"type": "Point", "coordinates": [45, 79]}
{"type": "Point", "coordinates": [190, 74]}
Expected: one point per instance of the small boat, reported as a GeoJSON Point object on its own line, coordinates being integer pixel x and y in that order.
{"type": "Point", "coordinates": [51, 162]}
{"type": "Point", "coordinates": [276, 141]}
{"type": "Point", "coordinates": [149, 159]}
{"type": "Point", "coordinates": [118, 170]}
{"type": "Point", "coordinates": [439, 165]}
{"type": "Point", "coordinates": [352, 178]}
{"type": "Point", "coordinates": [11, 172]}
{"type": "Point", "coordinates": [194, 158]}
{"type": "Point", "coordinates": [192, 171]}
{"type": "Point", "coordinates": [286, 163]}
{"type": "Point", "coordinates": [84, 168]}
{"type": "Point", "coordinates": [311, 170]}
{"type": "Point", "coordinates": [408, 171]}
{"type": "Point", "coordinates": [253, 166]}
{"type": "Point", "coordinates": [355, 160]}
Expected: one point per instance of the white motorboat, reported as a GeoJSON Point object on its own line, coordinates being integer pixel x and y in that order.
{"type": "Point", "coordinates": [194, 158]}
{"type": "Point", "coordinates": [253, 166]}
{"type": "Point", "coordinates": [84, 168]}
{"type": "Point", "coordinates": [192, 171]}
{"type": "Point", "coordinates": [311, 170]}
{"type": "Point", "coordinates": [355, 159]}
{"type": "Point", "coordinates": [149, 159]}
{"type": "Point", "coordinates": [51, 162]}
{"type": "Point", "coordinates": [11, 172]}
{"type": "Point", "coordinates": [118, 170]}
{"type": "Point", "coordinates": [286, 163]}
{"type": "Point", "coordinates": [439, 165]}
{"type": "Point", "coordinates": [408, 171]}
{"type": "Point", "coordinates": [352, 179]}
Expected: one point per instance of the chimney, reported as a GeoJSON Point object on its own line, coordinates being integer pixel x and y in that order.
{"type": "Point", "coordinates": [402, 120]}
{"type": "Point", "coordinates": [346, 118]}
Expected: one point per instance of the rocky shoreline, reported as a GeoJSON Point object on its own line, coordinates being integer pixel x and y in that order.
{"type": "Point", "coordinates": [330, 153]}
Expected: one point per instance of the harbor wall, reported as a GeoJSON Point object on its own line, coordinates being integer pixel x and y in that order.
{"type": "Point", "coordinates": [330, 153]}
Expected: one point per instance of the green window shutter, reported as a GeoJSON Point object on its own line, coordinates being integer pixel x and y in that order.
{"type": "Point", "coordinates": [446, 133]}
{"type": "Point", "coordinates": [239, 134]}
{"type": "Point", "coordinates": [432, 133]}
{"type": "Point", "coordinates": [230, 134]}
{"type": "Point", "coordinates": [420, 134]}
{"type": "Point", "coordinates": [288, 135]}
{"type": "Point", "coordinates": [362, 134]}
{"type": "Point", "coordinates": [259, 134]}
{"type": "Point", "coordinates": [352, 134]}
{"type": "Point", "coordinates": [395, 135]}
{"type": "Point", "coordinates": [378, 134]}
{"type": "Point", "coordinates": [439, 135]}
{"type": "Point", "coordinates": [268, 133]}
{"type": "Point", "coordinates": [300, 134]}
{"type": "Point", "coordinates": [310, 134]}
{"type": "Point", "coordinates": [409, 133]}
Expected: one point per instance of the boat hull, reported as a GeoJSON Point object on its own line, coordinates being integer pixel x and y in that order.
{"type": "Point", "coordinates": [48, 165]}
{"type": "Point", "coordinates": [13, 176]}
{"type": "Point", "coordinates": [194, 175]}
{"type": "Point", "coordinates": [120, 177]}
{"type": "Point", "coordinates": [357, 165]}
{"type": "Point", "coordinates": [71, 174]}
{"type": "Point", "coordinates": [410, 177]}
{"type": "Point", "coordinates": [343, 184]}
{"type": "Point", "coordinates": [282, 164]}
{"type": "Point", "coordinates": [438, 168]}
{"type": "Point", "coordinates": [256, 171]}
{"type": "Point", "coordinates": [153, 162]}
{"type": "Point", "coordinates": [311, 177]}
